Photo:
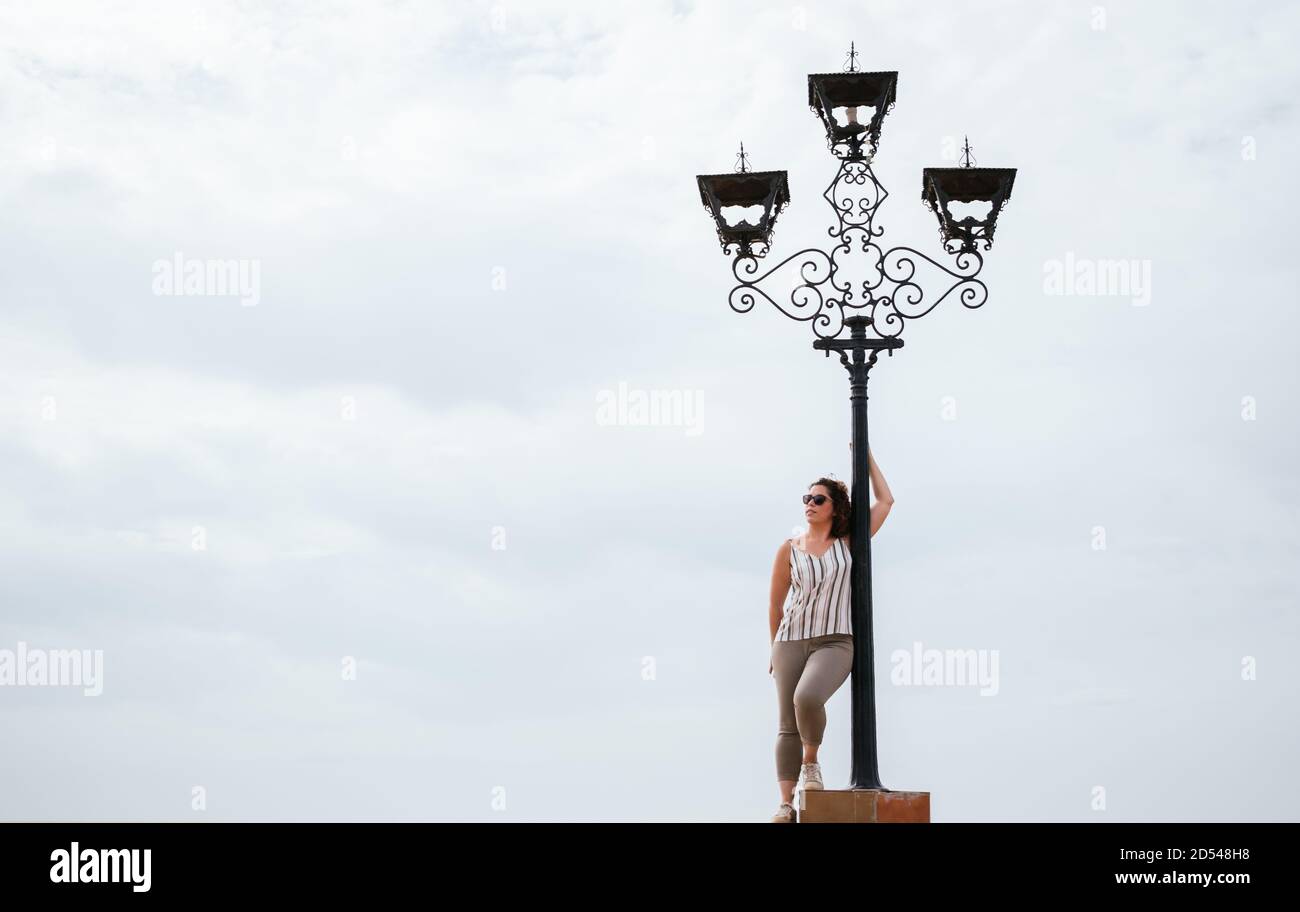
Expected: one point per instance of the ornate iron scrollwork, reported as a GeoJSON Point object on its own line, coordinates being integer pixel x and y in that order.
{"type": "Point", "coordinates": [807, 301]}
{"type": "Point", "coordinates": [890, 294]}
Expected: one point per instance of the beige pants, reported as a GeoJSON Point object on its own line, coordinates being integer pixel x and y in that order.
{"type": "Point", "coordinates": [807, 673]}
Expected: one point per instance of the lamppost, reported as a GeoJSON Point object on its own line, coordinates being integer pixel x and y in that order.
{"type": "Point", "coordinates": [966, 200]}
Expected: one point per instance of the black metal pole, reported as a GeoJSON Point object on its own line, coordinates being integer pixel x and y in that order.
{"type": "Point", "coordinates": [865, 772]}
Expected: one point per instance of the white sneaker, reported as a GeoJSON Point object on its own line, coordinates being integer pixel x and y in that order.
{"type": "Point", "coordinates": [811, 774]}
{"type": "Point", "coordinates": [784, 814]}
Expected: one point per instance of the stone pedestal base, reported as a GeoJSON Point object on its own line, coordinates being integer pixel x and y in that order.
{"type": "Point", "coordinates": [862, 806]}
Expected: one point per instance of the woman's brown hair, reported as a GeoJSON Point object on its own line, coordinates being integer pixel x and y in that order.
{"type": "Point", "coordinates": [841, 505]}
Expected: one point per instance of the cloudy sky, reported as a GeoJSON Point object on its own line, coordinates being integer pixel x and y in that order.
{"type": "Point", "coordinates": [364, 546]}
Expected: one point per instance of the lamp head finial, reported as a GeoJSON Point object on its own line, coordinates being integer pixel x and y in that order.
{"type": "Point", "coordinates": [967, 160]}
{"type": "Point", "coordinates": [742, 161]}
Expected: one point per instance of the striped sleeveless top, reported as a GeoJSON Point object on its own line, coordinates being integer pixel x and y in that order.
{"type": "Point", "coordinates": [819, 598]}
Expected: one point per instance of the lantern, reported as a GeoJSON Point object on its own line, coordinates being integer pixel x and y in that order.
{"type": "Point", "coordinates": [744, 206]}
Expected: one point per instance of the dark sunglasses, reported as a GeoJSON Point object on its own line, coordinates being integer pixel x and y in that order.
{"type": "Point", "coordinates": [817, 499]}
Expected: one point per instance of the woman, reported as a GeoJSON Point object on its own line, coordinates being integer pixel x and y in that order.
{"type": "Point", "coordinates": [812, 639]}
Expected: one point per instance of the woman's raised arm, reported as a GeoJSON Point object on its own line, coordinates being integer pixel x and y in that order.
{"type": "Point", "coordinates": [884, 499]}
